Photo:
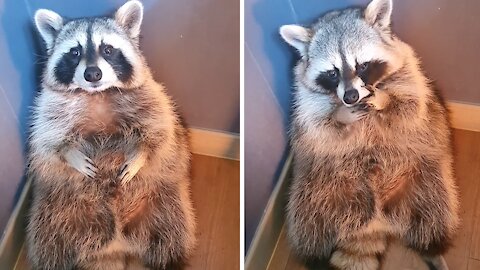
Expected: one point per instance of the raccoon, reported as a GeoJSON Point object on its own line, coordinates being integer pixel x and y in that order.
{"type": "Point", "coordinates": [109, 156]}
{"type": "Point", "coordinates": [371, 144]}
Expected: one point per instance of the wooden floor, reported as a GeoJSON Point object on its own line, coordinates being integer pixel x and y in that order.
{"type": "Point", "coordinates": [465, 254]}
{"type": "Point", "coordinates": [216, 198]}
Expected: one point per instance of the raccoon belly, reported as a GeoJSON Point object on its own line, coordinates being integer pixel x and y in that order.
{"type": "Point", "coordinates": [109, 154]}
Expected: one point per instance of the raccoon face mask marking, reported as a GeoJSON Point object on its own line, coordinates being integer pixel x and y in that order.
{"type": "Point", "coordinates": [346, 51]}
{"type": "Point", "coordinates": [92, 54]}
{"type": "Point", "coordinates": [116, 59]}
{"type": "Point", "coordinates": [65, 69]}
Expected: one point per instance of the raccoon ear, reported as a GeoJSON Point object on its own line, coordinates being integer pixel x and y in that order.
{"type": "Point", "coordinates": [130, 16]}
{"type": "Point", "coordinates": [379, 12]}
{"type": "Point", "coordinates": [49, 25]}
{"type": "Point", "coordinates": [297, 36]}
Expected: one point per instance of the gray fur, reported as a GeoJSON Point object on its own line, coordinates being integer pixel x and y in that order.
{"type": "Point", "coordinates": [379, 169]}
{"type": "Point", "coordinates": [76, 221]}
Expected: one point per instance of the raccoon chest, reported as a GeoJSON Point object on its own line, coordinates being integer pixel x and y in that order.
{"type": "Point", "coordinates": [100, 116]}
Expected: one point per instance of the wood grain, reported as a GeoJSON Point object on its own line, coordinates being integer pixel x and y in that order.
{"type": "Point", "coordinates": [465, 253]}
{"type": "Point", "coordinates": [467, 170]}
{"type": "Point", "coordinates": [216, 198]}
{"type": "Point", "coordinates": [473, 264]}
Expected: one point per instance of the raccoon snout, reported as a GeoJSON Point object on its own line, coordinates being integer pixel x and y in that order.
{"type": "Point", "coordinates": [92, 74]}
{"type": "Point", "coordinates": [351, 96]}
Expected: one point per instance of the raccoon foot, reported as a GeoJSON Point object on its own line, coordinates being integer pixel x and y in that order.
{"type": "Point", "coordinates": [115, 262]}
{"type": "Point", "coordinates": [379, 100]}
{"type": "Point", "coordinates": [344, 261]}
{"type": "Point", "coordinates": [80, 162]}
{"type": "Point", "coordinates": [438, 262]}
{"type": "Point", "coordinates": [349, 115]}
{"type": "Point", "coordinates": [131, 167]}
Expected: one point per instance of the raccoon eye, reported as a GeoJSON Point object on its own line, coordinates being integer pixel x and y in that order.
{"type": "Point", "coordinates": [108, 49]}
{"type": "Point", "coordinates": [332, 74]}
{"type": "Point", "coordinates": [75, 52]}
{"type": "Point", "coordinates": [362, 67]}
{"type": "Point", "coordinates": [328, 79]}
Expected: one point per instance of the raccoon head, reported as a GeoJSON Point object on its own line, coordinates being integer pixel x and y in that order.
{"type": "Point", "coordinates": [93, 54]}
{"type": "Point", "coordinates": [347, 51]}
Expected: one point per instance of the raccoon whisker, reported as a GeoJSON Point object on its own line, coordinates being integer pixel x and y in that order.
{"type": "Point", "coordinates": [119, 90]}
{"type": "Point", "coordinates": [41, 61]}
{"type": "Point", "coordinates": [40, 55]}
{"type": "Point", "coordinates": [371, 88]}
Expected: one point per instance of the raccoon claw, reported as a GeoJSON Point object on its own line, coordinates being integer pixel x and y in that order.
{"type": "Point", "coordinates": [126, 174]}
{"type": "Point", "coordinates": [363, 107]}
{"type": "Point", "coordinates": [81, 163]}
{"type": "Point", "coordinates": [123, 168]}
{"type": "Point", "coordinates": [90, 172]}
{"type": "Point", "coordinates": [359, 115]}
{"type": "Point", "coordinates": [89, 161]}
{"type": "Point", "coordinates": [346, 115]}
{"type": "Point", "coordinates": [130, 169]}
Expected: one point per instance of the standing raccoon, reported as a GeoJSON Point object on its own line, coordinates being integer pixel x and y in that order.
{"type": "Point", "coordinates": [371, 144]}
{"type": "Point", "coordinates": [108, 154]}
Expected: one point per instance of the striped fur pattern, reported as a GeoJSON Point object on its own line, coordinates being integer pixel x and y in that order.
{"type": "Point", "coordinates": [375, 168]}
{"type": "Point", "coordinates": [109, 157]}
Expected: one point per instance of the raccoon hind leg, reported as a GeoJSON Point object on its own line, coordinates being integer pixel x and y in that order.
{"type": "Point", "coordinates": [433, 218]}
{"type": "Point", "coordinates": [162, 225]}
{"type": "Point", "coordinates": [359, 253]}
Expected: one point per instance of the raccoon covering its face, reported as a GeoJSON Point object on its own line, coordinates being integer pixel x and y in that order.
{"type": "Point", "coordinates": [347, 52]}
{"type": "Point", "coordinates": [92, 54]}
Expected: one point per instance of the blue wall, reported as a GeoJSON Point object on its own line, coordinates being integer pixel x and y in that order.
{"type": "Point", "coordinates": [444, 33]}
{"type": "Point", "coordinates": [191, 46]}
{"type": "Point", "coordinates": [17, 87]}
{"type": "Point", "coordinates": [267, 99]}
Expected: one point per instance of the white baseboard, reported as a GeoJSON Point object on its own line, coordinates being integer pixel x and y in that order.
{"type": "Point", "coordinates": [215, 143]}
{"type": "Point", "coordinates": [464, 116]}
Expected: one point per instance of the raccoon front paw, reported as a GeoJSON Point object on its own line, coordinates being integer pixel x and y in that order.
{"type": "Point", "coordinates": [349, 115]}
{"type": "Point", "coordinates": [379, 100]}
{"type": "Point", "coordinates": [80, 162]}
{"type": "Point", "coordinates": [130, 168]}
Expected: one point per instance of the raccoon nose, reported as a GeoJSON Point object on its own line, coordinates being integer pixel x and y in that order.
{"type": "Point", "coordinates": [351, 96]}
{"type": "Point", "coordinates": [92, 74]}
